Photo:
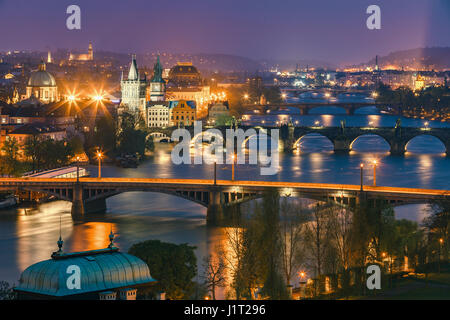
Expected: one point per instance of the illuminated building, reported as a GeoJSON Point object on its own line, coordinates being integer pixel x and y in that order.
{"type": "Point", "coordinates": [158, 114]}
{"type": "Point", "coordinates": [133, 88]}
{"type": "Point", "coordinates": [182, 113]}
{"type": "Point", "coordinates": [49, 57]}
{"type": "Point", "coordinates": [419, 83]}
{"type": "Point", "coordinates": [185, 83]}
{"type": "Point", "coordinates": [184, 74]}
{"type": "Point", "coordinates": [42, 85]}
{"type": "Point", "coordinates": [217, 112]}
{"type": "Point", "coordinates": [83, 56]}
{"type": "Point", "coordinates": [157, 84]}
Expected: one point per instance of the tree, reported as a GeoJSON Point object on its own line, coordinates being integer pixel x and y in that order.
{"type": "Point", "coordinates": [173, 266]}
{"type": "Point", "coordinates": [6, 291]}
{"type": "Point", "coordinates": [214, 272]}
{"type": "Point", "coordinates": [11, 148]}
{"type": "Point", "coordinates": [291, 237]}
{"type": "Point", "coordinates": [32, 149]}
{"type": "Point", "coordinates": [437, 224]}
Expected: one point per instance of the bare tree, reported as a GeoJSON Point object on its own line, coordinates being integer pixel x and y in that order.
{"type": "Point", "coordinates": [292, 217]}
{"type": "Point", "coordinates": [214, 272]}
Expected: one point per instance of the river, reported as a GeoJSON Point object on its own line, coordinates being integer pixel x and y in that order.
{"type": "Point", "coordinates": [28, 235]}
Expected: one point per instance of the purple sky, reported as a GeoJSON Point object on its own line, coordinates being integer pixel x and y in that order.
{"type": "Point", "coordinates": [328, 30]}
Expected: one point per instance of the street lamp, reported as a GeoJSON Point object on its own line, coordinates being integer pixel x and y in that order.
{"type": "Point", "coordinates": [99, 157]}
{"type": "Point", "coordinates": [78, 169]}
{"type": "Point", "coordinates": [374, 173]}
{"type": "Point", "coordinates": [441, 241]}
{"type": "Point", "coordinates": [361, 166]}
{"type": "Point", "coordinates": [233, 157]}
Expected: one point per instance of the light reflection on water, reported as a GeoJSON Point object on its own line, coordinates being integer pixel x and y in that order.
{"type": "Point", "coordinates": [28, 237]}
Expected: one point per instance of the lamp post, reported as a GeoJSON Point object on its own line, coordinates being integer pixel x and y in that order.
{"type": "Point", "coordinates": [361, 166]}
{"type": "Point", "coordinates": [99, 157]}
{"type": "Point", "coordinates": [374, 173]}
{"type": "Point", "coordinates": [78, 169]}
{"type": "Point", "coordinates": [441, 241]}
{"type": "Point", "coordinates": [215, 172]}
{"type": "Point", "coordinates": [233, 157]}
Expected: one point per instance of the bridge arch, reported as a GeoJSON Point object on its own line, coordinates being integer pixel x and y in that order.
{"type": "Point", "coordinates": [159, 136]}
{"type": "Point", "coordinates": [384, 140]}
{"type": "Point", "coordinates": [207, 136]}
{"type": "Point", "coordinates": [430, 138]}
{"type": "Point", "coordinates": [318, 109]}
{"type": "Point", "coordinates": [314, 135]}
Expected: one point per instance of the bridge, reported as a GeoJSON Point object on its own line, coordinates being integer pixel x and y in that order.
{"type": "Point", "coordinates": [89, 194]}
{"type": "Point", "coordinates": [342, 138]}
{"type": "Point", "coordinates": [305, 107]}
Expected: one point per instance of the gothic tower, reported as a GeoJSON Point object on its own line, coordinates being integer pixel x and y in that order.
{"type": "Point", "coordinates": [157, 83]}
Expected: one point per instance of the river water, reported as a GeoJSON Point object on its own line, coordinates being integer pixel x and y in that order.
{"type": "Point", "coordinates": [29, 235]}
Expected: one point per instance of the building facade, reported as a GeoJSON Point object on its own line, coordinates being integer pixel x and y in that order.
{"type": "Point", "coordinates": [134, 89]}
{"type": "Point", "coordinates": [42, 85]}
{"type": "Point", "coordinates": [182, 113]}
{"type": "Point", "coordinates": [83, 56]}
{"type": "Point", "coordinates": [158, 114]}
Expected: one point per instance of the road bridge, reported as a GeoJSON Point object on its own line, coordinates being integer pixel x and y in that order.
{"type": "Point", "coordinates": [89, 194]}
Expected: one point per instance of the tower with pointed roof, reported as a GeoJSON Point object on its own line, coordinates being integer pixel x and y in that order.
{"type": "Point", "coordinates": [133, 88]}
{"type": "Point", "coordinates": [157, 83]}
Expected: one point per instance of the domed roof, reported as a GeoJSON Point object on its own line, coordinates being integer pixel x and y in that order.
{"type": "Point", "coordinates": [183, 69]}
{"type": "Point", "coordinates": [100, 270]}
{"type": "Point", "coordinates": [41, 78]}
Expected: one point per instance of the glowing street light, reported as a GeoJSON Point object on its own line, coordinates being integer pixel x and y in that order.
{"type": "Point", "coordinates": [233, 158]}
{"type": "Point", "coordinates": [362, 167]}
{"type": "Point", "coordinates": [426, 124]}
{"type": "Point", "coordinates": [98, 98]}
{"type": "Point", "coordinates": [99, 157]}
{"type": "Point", "coordinates": [78, 169]}
{"type": "Point", "coordinates": [246, 96]}
{"type": "Point", "coordinates": [71, 98]}
{"type": "Point", "coordinates": [374, 173]}
{"type": "Point", "coordinates": [374, 94]}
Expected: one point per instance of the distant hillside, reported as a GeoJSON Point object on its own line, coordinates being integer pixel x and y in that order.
{"type": "Point", "coordinates": [437, 58]}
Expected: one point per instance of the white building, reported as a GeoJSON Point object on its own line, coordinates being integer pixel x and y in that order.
{"type": "Point", "coordinates": [134, 89]}
{"type": "Point", "coordinates": [158, 114]}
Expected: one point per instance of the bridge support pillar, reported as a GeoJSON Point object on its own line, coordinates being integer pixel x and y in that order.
{"type": "Point", "coordinates": [214, 212]}
{"type": "Point", "coordinates": [77, 201]}
{"type": "Point", "coordinates": [398, 148]}
{"type": "Point", "coordinates": [95, 206]}
{"type": "Point", "coordinates": [341, 146]}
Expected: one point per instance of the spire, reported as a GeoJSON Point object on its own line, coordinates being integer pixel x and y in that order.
{"type": "Point", "coordinates": [42, 66]}
{"type": "Point", "coordinates": [157, 71]}
{"type": "Point", "coordinates": [133, 73]}
{"type": "Point", "coordinates": [60, 242]}
{"type": "Point", "coordinates": [111, 239]}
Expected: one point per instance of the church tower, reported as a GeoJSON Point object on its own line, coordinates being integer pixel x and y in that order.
{"type": "Point", "coordinates": [157, 83]}
{"type": "Point", "coordinates": [90, 51]}
{"type": "Point", "coordinates": [133, 88]}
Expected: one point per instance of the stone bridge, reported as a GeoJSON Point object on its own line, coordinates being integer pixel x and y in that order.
{"type": "Point", "coordinates": [305, 107]}
{"type": "Point", "coordinates": [342, 138]}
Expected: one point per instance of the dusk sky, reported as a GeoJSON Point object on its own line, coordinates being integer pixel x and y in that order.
{"type": "Point", "coordinates": [327, 30]}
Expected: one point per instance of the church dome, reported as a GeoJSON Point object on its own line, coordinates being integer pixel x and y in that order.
{"type": "Point", "coordinates": [41, 78]}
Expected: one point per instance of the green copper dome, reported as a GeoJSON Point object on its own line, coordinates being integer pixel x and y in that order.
{"type": "Point", "coordinates": [100, 270]}
{"type": "Point", "coordinates": [41, 78]}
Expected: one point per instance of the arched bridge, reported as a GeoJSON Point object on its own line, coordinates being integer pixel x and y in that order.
{"type": "Point", "coordinates": [305, 107]}
{"type": "Point", "coordinates": [342, 138]}
{"type": "Point", "coordinates": [89, 194]}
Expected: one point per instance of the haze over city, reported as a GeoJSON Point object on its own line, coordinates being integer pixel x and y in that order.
{"type": "Point", "coordinates": [331, 31]}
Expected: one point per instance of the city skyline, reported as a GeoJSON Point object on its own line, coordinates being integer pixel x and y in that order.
{"type": "Point", "coordinates": [261, 30]}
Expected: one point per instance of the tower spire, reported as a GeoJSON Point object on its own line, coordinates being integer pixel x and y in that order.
{"type": "Point", "coordinates": [133, 73]}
